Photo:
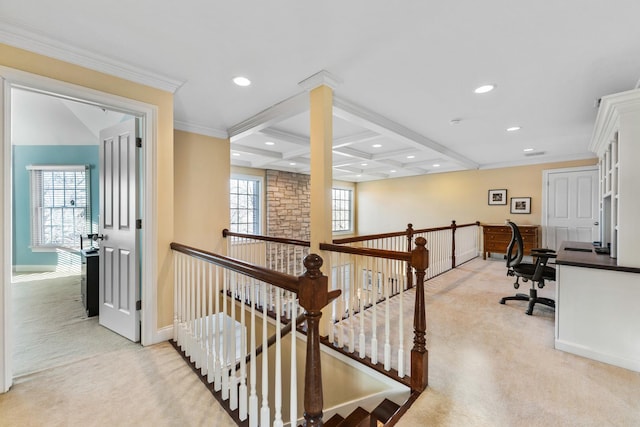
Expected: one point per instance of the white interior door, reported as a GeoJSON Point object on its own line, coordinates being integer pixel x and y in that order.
{"type": "Point", "coordinates": [119, 271]}
{"type": "Point", "coordinates": [571, 206]}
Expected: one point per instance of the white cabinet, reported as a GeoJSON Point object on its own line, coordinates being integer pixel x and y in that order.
{"type": "Point", "coordinates": [616, 141]}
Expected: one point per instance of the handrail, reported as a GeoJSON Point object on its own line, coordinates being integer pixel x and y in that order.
{"type": "Point", "coordinates": [227, 233]}
{"type": "Point", "coordinates": [282, 280]}
{"type": "Point", "coordinates": [453, 225]}
{"type": "Point", "coordinates": [409, 231]}
{"type": "Point", "coordinates": [376, 253]}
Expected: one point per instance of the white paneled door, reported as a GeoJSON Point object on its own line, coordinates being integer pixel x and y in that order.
{"type": "Point", "coordinates": [571, 206]}
{"type": "Point", "coordinates": [119, 271]}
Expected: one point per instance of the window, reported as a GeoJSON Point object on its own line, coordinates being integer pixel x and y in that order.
{"type": "Point", "coordinates": [60, 205]}
{"type": "Point", "coordinates": [245, 205]}
{"type": "Point", "coordinates": [342, 209]}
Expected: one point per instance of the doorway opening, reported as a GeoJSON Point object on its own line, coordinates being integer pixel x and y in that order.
{"type": "Point", "coordinates": [148, 118]}
{"type": "Point", "coordinates": [56, 211]}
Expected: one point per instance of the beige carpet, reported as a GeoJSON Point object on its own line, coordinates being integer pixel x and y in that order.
{"type": "Point", "coordinates": [490, 365]}
{"type": "Point", "coordinates": [51, 327]}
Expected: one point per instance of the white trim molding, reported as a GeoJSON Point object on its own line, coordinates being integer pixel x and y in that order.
{"type": "Point", "coordinates": [200, 129]}
{"type": "Point", "coordinates": [29, 40]}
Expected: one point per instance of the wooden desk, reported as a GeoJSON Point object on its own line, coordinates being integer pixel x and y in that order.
{"type": "Point", "coordinates": [497, 237]}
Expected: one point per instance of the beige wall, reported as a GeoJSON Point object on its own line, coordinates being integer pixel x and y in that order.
{"type": "Point", "coordinates": [201, 191]}
{"type": "Point", "coordinates": [434, 200]}
{"type": "Point", "coordinates": [62, 71]}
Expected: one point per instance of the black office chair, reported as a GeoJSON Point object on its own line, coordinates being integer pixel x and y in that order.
{"type": "Point", "coordinates": [536, 273]}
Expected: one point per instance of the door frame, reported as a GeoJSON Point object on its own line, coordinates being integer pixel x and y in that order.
{"type": "Point", "coordinates": [148, 113]}
{"type": "Point", "coordinates": [545, 193]}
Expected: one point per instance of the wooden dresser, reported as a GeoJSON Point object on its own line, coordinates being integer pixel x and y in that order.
{"type": "Point", "coordinates": [497, 238]}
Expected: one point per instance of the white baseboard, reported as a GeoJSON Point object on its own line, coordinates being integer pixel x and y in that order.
{"type": "Point", "coordinates": [590, 353]}
{"type": "Point", "coordinates": [34, 268]}
{"type": "Point", "coordinates": [162, 334]}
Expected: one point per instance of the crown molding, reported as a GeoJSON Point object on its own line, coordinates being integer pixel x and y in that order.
{"type": "Point", "coordinates": [199, 129]}
{"type": "Point", "coordinates": [538, 161]}
{"type": "Point", "coordinates": [321, 78]}
{"type": "Point", "coordinates": [31, 41]}
{"type": "Point", "coordinates": [611, 107]}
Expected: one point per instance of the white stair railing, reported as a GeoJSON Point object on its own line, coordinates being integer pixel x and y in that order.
{"type": "Point", "coordinates": [218, 303]}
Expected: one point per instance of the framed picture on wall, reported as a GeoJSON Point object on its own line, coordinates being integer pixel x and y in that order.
{"type": "Point", "coordinates": [521, 205]}
{"type": "Point", "coordinates": [497, 197]}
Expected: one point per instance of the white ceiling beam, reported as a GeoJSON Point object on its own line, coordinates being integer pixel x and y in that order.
{"type": "Point", "coordinates": [355, 138]}
{"type": "Point", "coordinates": [377, 123]}
{"type": "Point", "coordinates": [389, 154]}
{"type": "Point", "coordinates": [285, 136]}
{"type": "Point", "coordinates": [295, 153]}
{"type": "Point", "coordinates": [353, 153]}
{"type": "Point", "coordinates": [257, 151]}
{"type": "Point", "coordinates": [286, 109]}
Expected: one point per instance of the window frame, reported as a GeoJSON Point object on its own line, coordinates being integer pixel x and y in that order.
{"type": "Point", "coordinates": [350, 229]}
{"type": "Point", "coordinates": [259, 204]}
{"type": "Point", "coordinates": [37, 206]}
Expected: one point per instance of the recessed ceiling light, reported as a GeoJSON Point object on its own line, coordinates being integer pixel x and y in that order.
{"type": "Point", "coordinates": [235, 154]}
{"type": "Point", "coordinates": [270, 143]}
{"type": "Point", "coordinates": [411, 157]}
{"type": "Point", "coordinates": [364, 164]}
{"type": "Point", "coordinates": [392, 171]}
{"type": "Point", "coordinates": [241, 81]}
{"type": "Point", "coordinates": [513, 128]}
{"type": "Point", "coordinates": [485, 88]}
{"type": "Point", "coordinates": [526, 150]}
{"type": "Point", "coordinates": [377, 145]}
{"type": "Point", "coordinates": [358, 176]}
{"type": "Point", "coordinates": [436, 165]}
{"type": "Point", "coordinates": [292, 164]}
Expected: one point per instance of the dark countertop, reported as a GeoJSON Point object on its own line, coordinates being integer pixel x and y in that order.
{"type": "Point", "coordinates": [581, 254]}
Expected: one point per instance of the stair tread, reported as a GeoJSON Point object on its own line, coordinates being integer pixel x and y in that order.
{"type": "Point", "coordinates": [358, 417]}
{"type": "Point", "coordinates": [334, 421]}
{"type": "Point", "coordinates": [385, 410]}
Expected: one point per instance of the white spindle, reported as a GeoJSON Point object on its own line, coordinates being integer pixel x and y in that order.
{"type": "Point", "coordinates": [277, 422]}
{"type": "Point", "coordinates": [210, 334]}
{"type": "Point", "coordinates": [224, 350]}
{"type": "Point", "coordinates": [387, 318]}
{"type": "Point", "coordinates": [293, 393]}
{"type": "Point", "coordinates": [401, 331]}
{"type": "Point", "coordinates": [217, 343]}
{"type": "Point", "coordinates": [242, 391]}
{"type": "Point", "coordinates": [233, 383]}
{"type": "Point", "coordinates": [253, 397]}
{"type": "Point", "coordinates": [373, 267]}
{"type": "Point", "coordinates": [265, 415]}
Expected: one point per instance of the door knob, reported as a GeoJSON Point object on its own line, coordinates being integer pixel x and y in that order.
{"type": "Point", "coordinates": [98, 237]}
{"type": "Point", "coordinates": [596, 223]}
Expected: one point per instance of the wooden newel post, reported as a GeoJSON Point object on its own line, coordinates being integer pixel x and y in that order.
{"type": "Point", "coordinates": [453, 243]}
{"type": "Point", "coordinates": [419, 353]}
{"type": "Point", "coordinates": [314, 295]}
{"type": "Point", "coordinates": [409, 248]}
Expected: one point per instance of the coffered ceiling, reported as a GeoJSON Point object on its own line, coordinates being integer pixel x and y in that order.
{"type": "Point", "coordinates": [405, 71]}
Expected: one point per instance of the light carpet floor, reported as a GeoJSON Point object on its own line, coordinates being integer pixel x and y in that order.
{"type": "Point", "coordinates": [490, 365]}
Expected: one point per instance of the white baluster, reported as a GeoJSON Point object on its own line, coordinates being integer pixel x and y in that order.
{"type": "Point", "coordinates": [277, 422]}
{"type": "Point", "coordinates": [224, 349]}
{"type": "Point", "coordinates": [217, 344]}
{"type": "Point", "coordinates": [233, 383]}
{"type": "Point", "coordinates": [401, 331]}
{"type": "Point", "coordinates": [242, 391]}
{"type": "Point", "coordinates": [211, 354]}
{"type": "Point", "coordinates": [253, 397]}
{"type": "Point", "coordinates": [373, 264]}
{"type": "Point", "coordinates": [265, 415]}
{"type": "Point", "coordinates": [387, 318]}
{"type": "Point", "coordinates": [293, 394]}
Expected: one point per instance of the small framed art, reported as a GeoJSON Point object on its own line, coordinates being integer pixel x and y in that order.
{"type": "Point", "coordinates": [497, 197]}
{"type": "Point", "coordinates": [521, 205]}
